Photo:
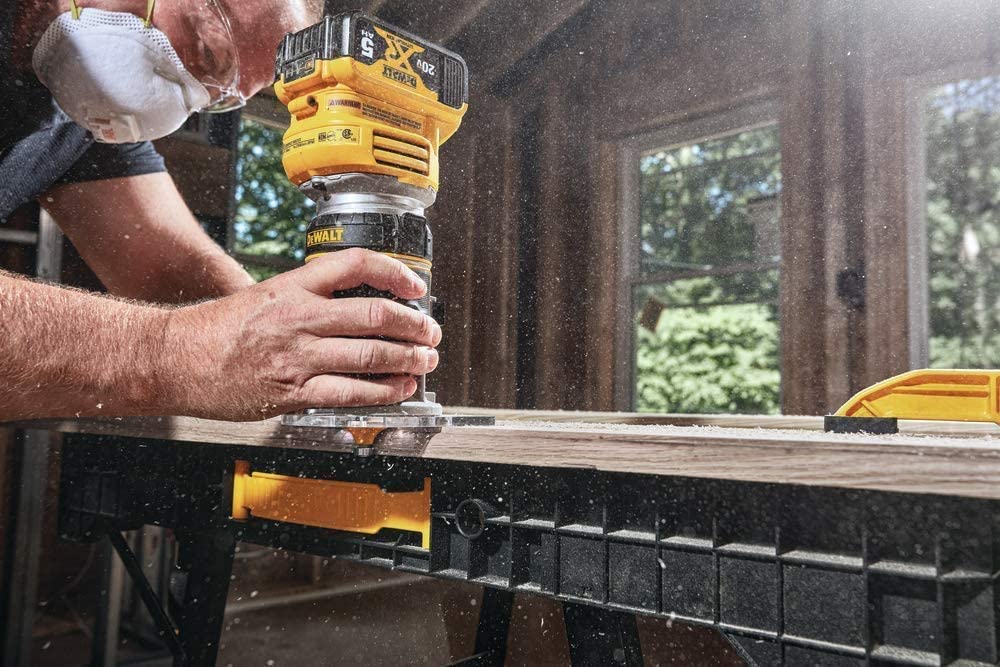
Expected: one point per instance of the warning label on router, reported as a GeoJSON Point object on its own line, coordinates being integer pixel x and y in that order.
{"type": "Point", "coordinates": [390, 117]}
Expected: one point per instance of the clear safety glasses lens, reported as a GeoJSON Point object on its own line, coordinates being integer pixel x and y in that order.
{"type": "Point", "coordinates": [228, 102]}
{"type": "Point", "coordinates": [211, 56]}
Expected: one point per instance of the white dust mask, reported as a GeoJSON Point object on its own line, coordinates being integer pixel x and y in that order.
{"type": "Point", "coordinates": [117, 76]}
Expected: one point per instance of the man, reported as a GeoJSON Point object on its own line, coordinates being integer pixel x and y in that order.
{"type": "Point", "coordinates": [128, 71]}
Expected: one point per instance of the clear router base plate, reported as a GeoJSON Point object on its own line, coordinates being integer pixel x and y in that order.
{"type": "Point", "coordinates": [332, 419]}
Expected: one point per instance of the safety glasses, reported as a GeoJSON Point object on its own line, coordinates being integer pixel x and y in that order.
{"type": "Point", "coordinates": [221, 51]}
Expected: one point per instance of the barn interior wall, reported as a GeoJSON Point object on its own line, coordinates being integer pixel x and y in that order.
{"type": "Point", "coordinates": [843, 77]}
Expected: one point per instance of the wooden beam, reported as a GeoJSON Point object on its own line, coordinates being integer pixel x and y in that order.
{"type": "Point", "coordinates": [561, 323]}
{"type": "Point", "coordinates": [434, 20]}
{"type": "Point", "coordinates": [607, 300]}
{"type": "Point", "coordinates": [461, 19]}
{"type": "Point", "coordinates": [945, 465]}
{"type": "Point", "coordinates": [453, 221]}
{"type": "Point", "coordinates": [525, 24]}
{"type": "Point", "coordinates": [371, 7]}
{"type": "Point", "coordinates": [375, 6]}
{"type": "Point", "coordinates": [493, 223]}
{"type": "Point", "coordinates": [816, 324]}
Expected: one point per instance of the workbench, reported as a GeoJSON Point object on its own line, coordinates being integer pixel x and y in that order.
{"type": "Point", "coordinates": [802, 547]}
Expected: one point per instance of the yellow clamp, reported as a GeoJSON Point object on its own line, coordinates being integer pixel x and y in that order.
{"type": "Point", "coordinates": [932, 394]}
{"type": "Point", "coordinates": [348, 506]}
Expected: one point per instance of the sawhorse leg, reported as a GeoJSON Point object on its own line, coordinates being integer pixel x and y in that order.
{"type": "Point", "coordinates": [19, 581]}
{"type": "Point", "coordinates": [492, 630]}
{"type": "Point", "coordinates": [199, 587]}
{"type": "Point", "coordinates": [598, 637]}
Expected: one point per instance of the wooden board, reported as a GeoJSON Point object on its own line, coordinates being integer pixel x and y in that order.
{"type": "Point", "coordinates": [783, 422]}
{"type": "Point", "coordinates": [964, 463]}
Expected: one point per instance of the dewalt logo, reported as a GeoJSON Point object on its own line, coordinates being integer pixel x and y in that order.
{"type": "Point", "coordinates": [400, 76]}
{"type": "Point", "coordinates": [328, 235]}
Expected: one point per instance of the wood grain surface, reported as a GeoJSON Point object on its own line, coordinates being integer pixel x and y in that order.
{"type": "Point", "coordinates": [962, 460]}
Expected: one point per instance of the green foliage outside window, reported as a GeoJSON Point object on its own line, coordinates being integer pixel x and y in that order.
{"type": "Point", "coordinates": [709, 358]}
{"type": "Point", "coordinates": [711, 344]}
{"type": "Point", "coordinates": [963, 223]}
{"type": "Point", "coordinates": [694, 200]}
{"type": "Point", "coordinates": [714, 346]}
{"type": "Point", "coordinates": [271, 214]}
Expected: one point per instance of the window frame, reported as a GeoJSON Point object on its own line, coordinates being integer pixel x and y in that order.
{"type": "Point", "coordinates": [684, 131]}
{"type": "Point", "coordinates": [917, 89]}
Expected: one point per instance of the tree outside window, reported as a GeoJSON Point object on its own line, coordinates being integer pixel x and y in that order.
{"type": "Point", "coordinates": [706, 334]}
{"type": "Point", "coordinates": [271, 213]}
{"type": "Point", "coordinates": [963, 223]}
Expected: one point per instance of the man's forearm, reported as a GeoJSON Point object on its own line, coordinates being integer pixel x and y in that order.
{"type": "Point", "coordinates": [141, 240]}
{"type": "Point", "coordinates": [66, 353]}
{"type": "Point", "coordinates": [195, 269]}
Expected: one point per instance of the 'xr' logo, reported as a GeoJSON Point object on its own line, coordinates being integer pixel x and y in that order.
{"type": "Point", "coordinates": [399, 50]}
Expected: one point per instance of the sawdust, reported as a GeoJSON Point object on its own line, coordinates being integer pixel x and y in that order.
{"type": "Point", "coordinates": [702, 433]}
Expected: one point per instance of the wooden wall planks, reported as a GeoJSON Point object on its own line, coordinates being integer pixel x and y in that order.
{"type": "Point", "coordinates": [476, 232]}
{"type": "Point", "coordinates": [840, 74]}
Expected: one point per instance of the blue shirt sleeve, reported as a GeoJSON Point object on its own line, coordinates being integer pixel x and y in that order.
{"type": "Point", "coordinates": [102, 161]}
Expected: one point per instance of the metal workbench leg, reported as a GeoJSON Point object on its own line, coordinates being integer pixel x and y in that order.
{"type": "Point", "coordinates": [492, 630]}
{"type": "Point", "coordinates": [104, 651]}
{"type": "Point", "coordinates": [199, 586]}
{"type": "Point", "coordinates": [600, 638]}
{"type": "Point", "coordinates": [20, 580]}
{"type": "Point", "coordinates": [168, 631]}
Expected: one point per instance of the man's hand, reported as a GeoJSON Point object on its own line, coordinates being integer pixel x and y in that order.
{"type": "Point", "coordinates": [275, 347]}
{"type": "Point", "coordinates": [284, 344]}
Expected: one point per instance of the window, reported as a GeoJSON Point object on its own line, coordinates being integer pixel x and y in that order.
{"type": "Point", "coordinates": [704, 283]}
{"type": "Point", "coordinates": [271, 213]}
{"type": "Point", "coordinates": [962, 213]}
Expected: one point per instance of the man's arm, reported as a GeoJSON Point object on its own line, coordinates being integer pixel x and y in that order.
{"type": "Point", "coordinates": [141, 240]}
{"type": "Point", "coordinates": [70, 353]}
{"type": "Point", "coordinates": [275, 347]}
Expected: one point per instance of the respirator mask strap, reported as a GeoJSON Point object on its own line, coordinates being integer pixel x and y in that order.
{"type": "Point", "coordinates": [75, 10]}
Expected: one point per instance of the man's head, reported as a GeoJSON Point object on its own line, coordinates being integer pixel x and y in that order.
{"type": "Point", "coordinates": [260, 25]}
{"type": "Point", "coordinates": [103, 64]}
